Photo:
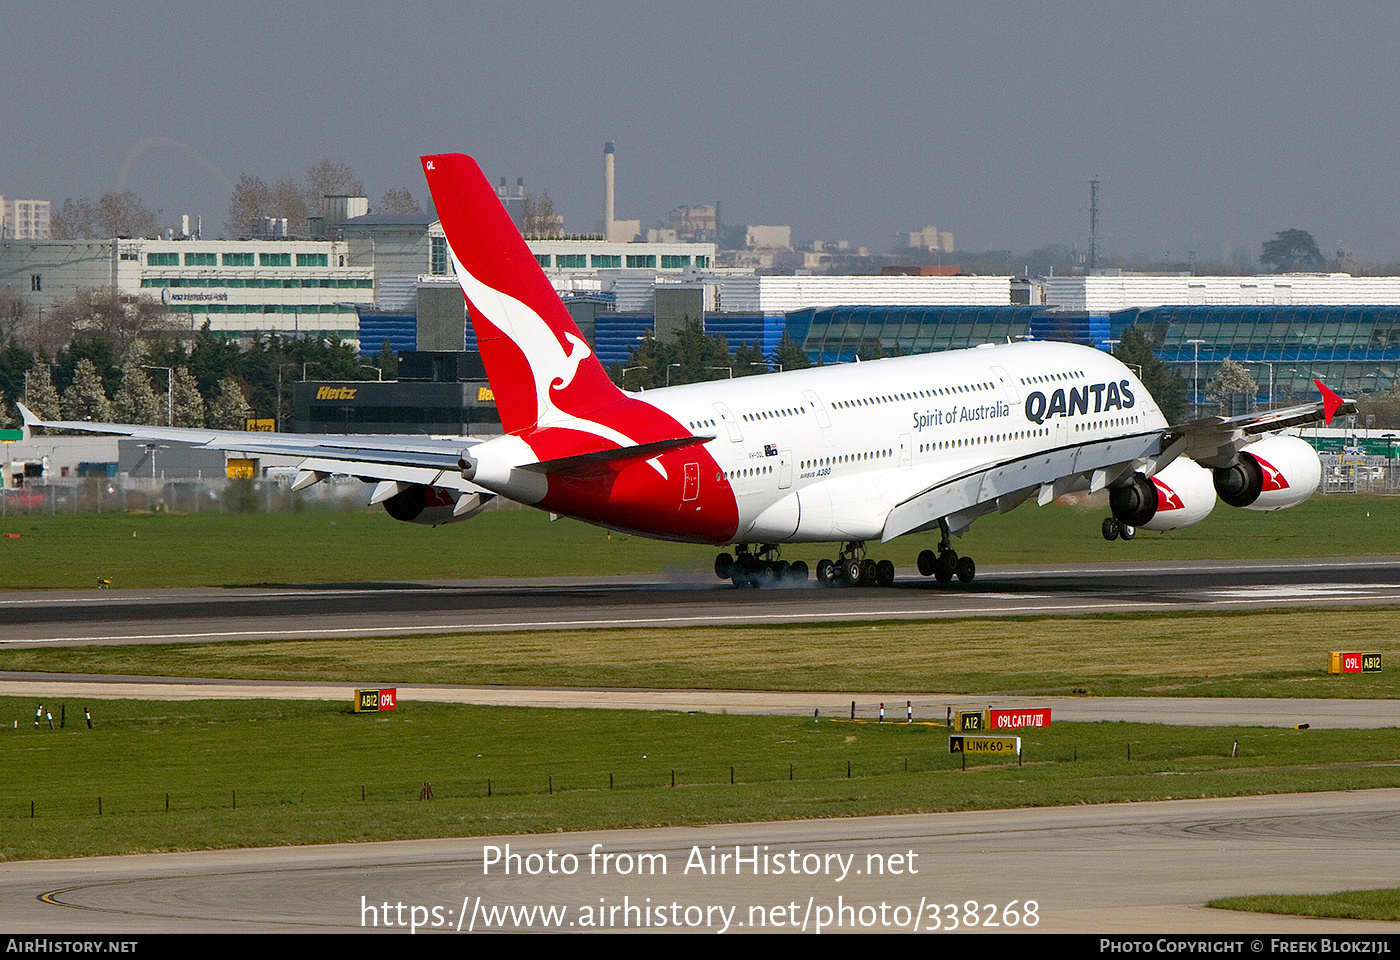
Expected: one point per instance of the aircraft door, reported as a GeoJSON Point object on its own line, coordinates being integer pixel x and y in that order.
{"type": "Point", "coordinates": [819, 408]}
{"type": "Point", "coordinates": [1008, 385]}
{"type": "Point", "coordinates": [784, 469]}
{"type": "Point", "coordinates": [691, 488]}
{"type": "Point", "coordinates": [731, 424]}
{"type": "Point", "coordinates": [906, 452]}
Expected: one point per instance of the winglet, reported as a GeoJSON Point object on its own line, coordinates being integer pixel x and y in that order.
{"type": "Point", "coordinates": [28, 417]}
{"type": "Point", "coordinates": [1330, 401]}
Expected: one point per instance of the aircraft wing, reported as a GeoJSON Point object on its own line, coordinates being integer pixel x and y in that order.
{"type": "Point", "coordinates": [1049, 474]}
{"type": "Point", "coordinates": [1002, 486]}
{"type": "Point", "coordinates": [1217, 441]}
{"type": "Point", "coordinates": [404, 459]}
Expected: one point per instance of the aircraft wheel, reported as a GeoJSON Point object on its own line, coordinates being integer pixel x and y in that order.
{"type": "Point", "coordinates": [869, 573]}
{"type": "Point", "coordinates": [851, 572]}
{"type": "Point", "coordinates": [799, 571]}
{"type": "Point", "coordinates": [946, 567]}
{"type": "Point", "coordinates": [966, 569]}
{"type": "Point", "coordinates": [826, 573]}
{"type": "Point", "coordinates": [741, 579]}
{"type": "Point", "coordinates": [884, 573]}
{"type": "Point", "coordinates": [1110, 528]}
{"type": "Point", "coordinates": [928, 562]}
{"type": "Point", "coordinates": [1126, 532]}
{"type": "Point", "coordinates": [724, 565]}
{"type": "Point", "coordinates": [768, 574]}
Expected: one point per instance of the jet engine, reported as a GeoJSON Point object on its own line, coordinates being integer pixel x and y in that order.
{"type": "Point", "coordinates": [1178, 496]}
{"type": "Point", "coordinates": [419, 503]}
{"type": "Point", "coordinates": [1273, 474]}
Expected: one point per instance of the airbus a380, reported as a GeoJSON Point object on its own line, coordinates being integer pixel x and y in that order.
{"type": "Point", "coordinates": [851, 454]}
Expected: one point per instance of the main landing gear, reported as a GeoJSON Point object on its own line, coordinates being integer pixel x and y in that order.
{"type": "Point", "coordinates": [759, 569]}
{"type": "Point", "coordinates": [944, 565]}
{"type": "Point", "coordinates": [1115, 529]}
{"type": "Point", "coordinates": [850, 569]}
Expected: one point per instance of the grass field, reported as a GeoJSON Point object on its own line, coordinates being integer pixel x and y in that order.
{"type": "Point", "coordinates": [1240, 654]}
{"type": "Point", "coordinates": [272, 772]}
{"type": "Point", "coordinates": [257, 773]}
{"type": "Point", "coordinates": [174, 550]}
{"type": "Point", "coordinates": [1348, 904]}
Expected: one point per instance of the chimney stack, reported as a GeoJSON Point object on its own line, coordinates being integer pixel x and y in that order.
{"type": "Point", "coordinates": [609, 188]}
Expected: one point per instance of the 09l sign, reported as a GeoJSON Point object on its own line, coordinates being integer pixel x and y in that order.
{"type": "Point", "coordinates": [371, 701]}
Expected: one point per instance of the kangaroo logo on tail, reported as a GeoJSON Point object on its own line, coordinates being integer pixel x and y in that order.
{"type": "Point", "coordinates": [523, 331]}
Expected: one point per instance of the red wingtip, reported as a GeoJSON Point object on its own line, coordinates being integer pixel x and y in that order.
{"type": "Point", "coordinates": [1330, 401]}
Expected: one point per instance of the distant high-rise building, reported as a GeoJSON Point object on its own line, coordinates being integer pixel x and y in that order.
{"type": "Point", "coordinates": [931, 238]}
{"type": "Point", "coordinates": [24, 219]}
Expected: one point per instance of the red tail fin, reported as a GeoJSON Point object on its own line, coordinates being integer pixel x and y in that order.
{"type": "Point", "coordinates": [540, 367]}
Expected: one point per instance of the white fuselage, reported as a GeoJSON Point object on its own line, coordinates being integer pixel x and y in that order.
{"type": "Point", "coordinates": [824, 454]}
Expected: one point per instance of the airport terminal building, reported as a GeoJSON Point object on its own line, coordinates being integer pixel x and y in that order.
{"type": "Point", "coordinates": [390, 279]}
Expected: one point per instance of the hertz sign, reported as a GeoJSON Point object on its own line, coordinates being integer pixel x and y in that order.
{"type": "Point", "coordinates": [336, 393]}
{"type": "Point", "coordinates": [370, 701]}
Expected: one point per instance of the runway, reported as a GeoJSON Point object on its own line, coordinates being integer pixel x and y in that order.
{"type": "Point", "coordinates": [208, 615]}
{"type": "Point", "coordinates": [1114, 868]}
{"type": "Point", "coordinates": [1121, 868]}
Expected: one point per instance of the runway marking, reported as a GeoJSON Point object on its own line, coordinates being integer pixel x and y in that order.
{"type": "Point", "coordinates": [1305, 590]}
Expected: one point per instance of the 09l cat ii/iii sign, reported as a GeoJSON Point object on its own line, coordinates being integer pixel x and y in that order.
{"type": "Point", "coordinates": [370, 701]}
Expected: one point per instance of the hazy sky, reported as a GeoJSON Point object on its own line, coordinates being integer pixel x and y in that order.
{"type": "Point", "coordinates": [1211, 125]}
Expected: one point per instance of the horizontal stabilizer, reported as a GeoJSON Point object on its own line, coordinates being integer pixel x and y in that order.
{"type": "Point", "coordinates": [372, 450]}
{"type": "Point", "coordinates": [605, 461]}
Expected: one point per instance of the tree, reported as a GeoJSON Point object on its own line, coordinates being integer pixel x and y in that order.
{"type": "Point", "coordinates": [388, 362]}
{"type": "Point", "coordinates": [15, 313]}
{"type": "Point", "coordinates": [15, 364]}
{"type": "Point", "coordinates": [135, 400]}
{"type": "Point", "coordinates": [123, 215]}
{"type": "Point", "coordinates": [251, 199]}
{"type": "Point", "coordinates": [539, 218]}
{"type": "Point", "coordinates": [689, 357]}
{"type": "Point", "coordinates": [229, 410]}
{"type": "Point", "coordinates": [289, 203]}
{"type": "Point", "coordinates": [1290, 251]}
{"type": "Point", "coordinates": [85, 398]}
{"type": "Point", "coordinates": [40, 395]}
{"type": "Point", "coordinates": [189, 405]}
{"type": "Point", "coordinates": [75, 220]}
{"type": "Point", "coordinates": [120, 318]}
{"type": "Point", "coordinates": [113, 215]}
{"type": "Point", "coordinates": [749, 361]}
{"type": "Point", "coordinates": [328, 179]}
{"type": "Point", "coordinates": [1232, 380]}
{"type": "Point", "coordinates": [398, 202]}
{"type": "Point", "coordinates": [1138, 350]}
{"type": "Point", "coordinates": [790, 355]}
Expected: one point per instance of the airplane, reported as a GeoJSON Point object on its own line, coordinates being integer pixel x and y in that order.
{"type": "Point", "coordinates": [851, 454]}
